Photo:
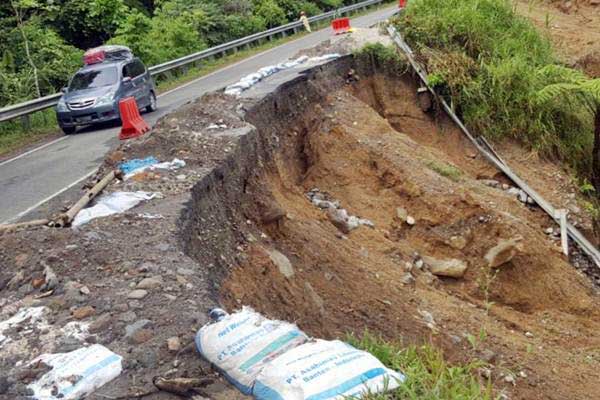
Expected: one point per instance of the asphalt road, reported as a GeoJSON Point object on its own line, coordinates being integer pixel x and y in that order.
{"type": "Point", "coordinates": [42, 176]}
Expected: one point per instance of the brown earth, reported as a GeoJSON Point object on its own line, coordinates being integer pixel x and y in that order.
{"type": "Point", "coordinates": [538, 315]}
{"type": "Point", "coordinates": [573, 27]}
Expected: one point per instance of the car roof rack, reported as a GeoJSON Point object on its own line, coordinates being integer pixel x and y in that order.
{"type": "Point", "coordinates": [107, 53]}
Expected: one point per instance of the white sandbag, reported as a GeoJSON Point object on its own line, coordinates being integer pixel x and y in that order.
{"type": "Point", "coordinates": [114, 203]}
{"type": "Point", "coordinates": [241, 343]}
{"type": "Point", "coordinates": [320, 370]}
{"type": "Point", "coordinates": [77, 373]}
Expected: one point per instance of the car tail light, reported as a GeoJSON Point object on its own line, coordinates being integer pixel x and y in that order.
{"type": "Point", "coordinates": [93, 56]}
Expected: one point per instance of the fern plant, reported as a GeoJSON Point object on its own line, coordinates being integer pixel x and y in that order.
{"type": "Point", "coordinates": [571, 92]}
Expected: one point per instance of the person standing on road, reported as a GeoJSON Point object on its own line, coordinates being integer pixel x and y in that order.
{"type": "Point", "coordinates": [304, 21]}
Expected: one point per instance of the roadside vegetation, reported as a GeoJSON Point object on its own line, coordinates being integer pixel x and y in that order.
{"type": "Point", "coordinates": [502, 78]}
{"type": "Point", "coordinates": [428, 375]}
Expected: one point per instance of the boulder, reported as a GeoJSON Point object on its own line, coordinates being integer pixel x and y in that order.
{"type": "Point", "coordinates": [503, 252]}
{"type": "Point", "coordinates": [453, 268]}
{"type": "Point", "coordinates": [282, 262]}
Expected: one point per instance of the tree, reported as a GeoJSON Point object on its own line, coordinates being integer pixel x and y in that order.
{"type": "Point", "coordinates": [572, 92]}
{"type": "Point", "coordinates": [19, 8]}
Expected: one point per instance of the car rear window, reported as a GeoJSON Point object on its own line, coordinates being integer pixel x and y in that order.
{"type": "Point", "coordinates": [94, 78]}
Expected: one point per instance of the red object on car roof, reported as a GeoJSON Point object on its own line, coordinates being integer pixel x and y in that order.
{"type": "Point", "coordinates": [107, 52]}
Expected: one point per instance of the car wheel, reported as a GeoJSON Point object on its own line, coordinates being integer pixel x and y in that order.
{"type": "Point", "coordinates": [152, 106]}
{"type": "Point", "coordinates": [68, 130]}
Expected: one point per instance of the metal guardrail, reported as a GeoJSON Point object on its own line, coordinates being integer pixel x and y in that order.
{"type": "Point", "coordinates": [42, 103]}
{"type": "Point", "coordinates": [488, 152]}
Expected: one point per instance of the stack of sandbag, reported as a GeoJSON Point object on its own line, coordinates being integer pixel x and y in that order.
{"type": "Point", "coordinates": [274, 360]}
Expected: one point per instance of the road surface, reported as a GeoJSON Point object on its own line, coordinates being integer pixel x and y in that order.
{"type": "Point", "coordinates": [40, 176]}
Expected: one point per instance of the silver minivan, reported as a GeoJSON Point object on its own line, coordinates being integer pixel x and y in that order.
{"type": "Point", "coordinates": [110, 74]}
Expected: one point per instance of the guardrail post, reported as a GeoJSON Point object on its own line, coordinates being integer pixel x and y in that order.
{"type": "Point", "coordinates": [295, 30]}
{"type": "Point", "coordinates": [270, 37]}
{"type": "Point", "coordinates": [26, 122]}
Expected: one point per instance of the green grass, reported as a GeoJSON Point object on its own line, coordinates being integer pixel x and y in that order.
{"type": "Point", "coordinates": [13, 136]}
{"type": "Point", "coordinates": [428, 375]}
{"type": "Point", "coordinates": [446, 170]}
{"type": "Point", "coordinates": [487, 60]}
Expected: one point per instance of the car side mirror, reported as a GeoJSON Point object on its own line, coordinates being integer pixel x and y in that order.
{"type": "Point", "coordinates": [127, 80]}
{"type": "Point", "coordinates": [64, 90]}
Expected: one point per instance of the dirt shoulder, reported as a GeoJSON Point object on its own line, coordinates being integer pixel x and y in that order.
{"type": "Point", "coordinates": [573, 28]}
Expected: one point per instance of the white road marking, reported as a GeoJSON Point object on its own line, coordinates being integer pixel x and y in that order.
{"type": "Point", "coordinates": [33, 150]}
{"type": "Point", "coordinates": [33, 207]}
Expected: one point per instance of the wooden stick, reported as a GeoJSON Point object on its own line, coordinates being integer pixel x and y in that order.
{"type": "Point", "coordinates": [35, 222]}
{"type": "Point", "coordinates": [66, 218]}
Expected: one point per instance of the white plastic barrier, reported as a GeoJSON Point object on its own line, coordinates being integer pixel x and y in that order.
{"type": "Point", "coordinates": [77, 373]}
{"type": "Point", "coordinates": [321, 370]}
{"type": "Point", "coordinates": [240, 344]}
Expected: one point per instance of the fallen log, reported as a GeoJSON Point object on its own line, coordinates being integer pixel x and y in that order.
{"type": "Point", "coordinates": [28, 224]}
{"type": "Point", "coordinates": [66, 218]}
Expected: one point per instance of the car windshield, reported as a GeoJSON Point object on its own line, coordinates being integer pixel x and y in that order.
{"type": "Point", "coordinates": [94, 78]}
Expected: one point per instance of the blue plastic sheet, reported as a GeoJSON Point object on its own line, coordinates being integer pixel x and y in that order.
{"type": "Point", "coordinates": [129, 166]}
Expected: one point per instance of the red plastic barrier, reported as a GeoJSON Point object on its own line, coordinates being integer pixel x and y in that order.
{"type": "Point", "coordinates": [340, 25]}
{"type": "Point", "coordinates": [401, 3]}
{"type": "Point", "coordinates": [133, 124]}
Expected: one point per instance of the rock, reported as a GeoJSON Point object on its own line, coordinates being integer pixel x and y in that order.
{"type": "Point", "coordinates": [150, 283]}
{"type": "Point", "coordinates": [314, 297]}
{"type": "Point", "coordinates": [418, 263]}
{"type": "Point", "coordinates": [50, 277]}
{"type": "Point", "coordinates": [490, 182]}
{"type": "Point", "coordinates": [452, 267]}
{"type": "Point", "coordinates": [339, 219]}
{"type": "Point", "coordinates": [282, 262]}
{"type": "Point", "coordinates": [402, 214]}
{"type": "Point", "coordinates": [100, 324]}
{"type": "Point", "coordinates": [136, 326]}
{"type": "Point", "coordinates": [141, 336]}
{"type": "Point", "coordinates": [529, 334]}
{"type": "Point", "coordinates": [458, 242]}
{"type": "Point", "coordinates": [73, 293]}
{"type": "Point", "coordinates": [174, 344]}
{"type": "Point", "coordinates": [85, 290]}
{"type": "Point", "coordinates": [37, 283]}
{"type": "Point", "coordinates": [83, 312]}
{"type": "Point", "coordinates": [407, 279]}
{"type": "Point", "coordinates": [137, 294]}
{"type": "Point", "coordinates": [549, 231]}
{"type": "Point", "coordinates": [503, 252]}
{"type": "Point", "coordinates": [128, 316]}
{"type": "Point", "coordinates": [410, 220]}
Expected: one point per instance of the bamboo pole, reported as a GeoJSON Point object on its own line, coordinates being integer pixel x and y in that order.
{"type": "Point", "coordinates": [66, 218]}
{"type": "Point", "coordinates": [28, 224]}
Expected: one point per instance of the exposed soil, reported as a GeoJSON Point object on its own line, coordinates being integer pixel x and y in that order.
{"type": "Point", "coordinates": [543, 317]}
{"type": "Point", "coordinates": [573, 29]}
{"type": "Point", "coordinates": [243, 194]}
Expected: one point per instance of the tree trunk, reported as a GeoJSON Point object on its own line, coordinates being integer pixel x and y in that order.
{"type": "Point", "coordinates": [596, 154]}
{"type": "Point", "coordinates": [19, 18]}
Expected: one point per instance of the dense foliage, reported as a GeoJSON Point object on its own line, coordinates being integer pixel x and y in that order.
{"type": "Point", "coordinates": [494, 67]}
{"type": "Point", "coordinates": [42, 41]}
